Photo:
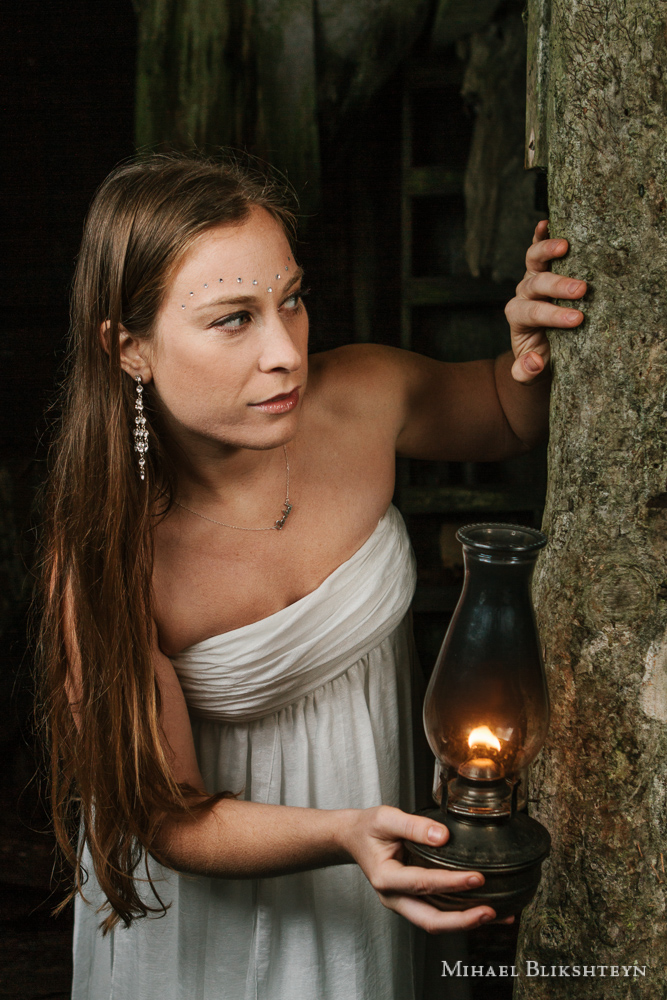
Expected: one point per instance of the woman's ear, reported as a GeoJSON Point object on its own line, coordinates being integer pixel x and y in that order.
{"type": "Point", "coordinates": [134, 353]}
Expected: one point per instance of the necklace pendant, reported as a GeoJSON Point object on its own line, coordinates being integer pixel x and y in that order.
{"type": "Point", "coordinates": [286, 512]}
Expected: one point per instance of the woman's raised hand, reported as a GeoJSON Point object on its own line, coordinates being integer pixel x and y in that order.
{"type": "Point", "coordinates": [529, 312]}
{"type": "Point", "coordinates": [374, 838]}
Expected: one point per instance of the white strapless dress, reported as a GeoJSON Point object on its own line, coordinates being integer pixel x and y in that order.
{"type": "Point", "coordinates": [308, 707]}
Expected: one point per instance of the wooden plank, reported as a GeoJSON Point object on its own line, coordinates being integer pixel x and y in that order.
{"type": "Point", "coordinates": [213, 74]}
{"type": "Point", "coordinates": [481, 499]}
{"type": "Point", "coordinates": [461, 289]}
{"type": "Point", "coordinates": [537, 84]}
{"type": "Point", "coordinates": [456, 18]}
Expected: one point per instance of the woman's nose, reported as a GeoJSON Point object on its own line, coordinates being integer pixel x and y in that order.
{"type": "Point", "coordinates": [279, 349]}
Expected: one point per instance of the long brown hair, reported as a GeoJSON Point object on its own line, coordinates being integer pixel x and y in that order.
{"type": "Point", "coordinates": [109, 776]}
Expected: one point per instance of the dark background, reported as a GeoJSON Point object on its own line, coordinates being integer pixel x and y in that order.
{"type": "Point", "coordinates": [66, 92]}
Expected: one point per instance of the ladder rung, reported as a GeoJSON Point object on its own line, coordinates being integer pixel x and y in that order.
{"type": "Point", "coordinates": [466, 499]}
{"type": "Point", "coordinates": [461, 289]}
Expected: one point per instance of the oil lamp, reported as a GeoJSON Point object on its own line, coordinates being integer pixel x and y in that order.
{"type": "Point", "coordinates": [486, 715]}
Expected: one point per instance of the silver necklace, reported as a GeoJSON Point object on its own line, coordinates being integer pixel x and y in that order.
{"type": "Point", "coordinates": [279, 524]}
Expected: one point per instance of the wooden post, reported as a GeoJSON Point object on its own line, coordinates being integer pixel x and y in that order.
{"type": "Point", "coordinates": [538, 22]}
{"type": "Point", "coordinates": [212, 74]}
{"type": "Point", "coordinates": [601, 585]}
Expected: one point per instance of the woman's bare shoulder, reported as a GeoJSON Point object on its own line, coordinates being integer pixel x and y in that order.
{"type": "Point", "coordinates": [361, 376]}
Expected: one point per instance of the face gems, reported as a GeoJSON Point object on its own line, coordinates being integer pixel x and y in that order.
{"type": "Point", "coordinates": [240, 280]}
{"type": "Point", "coordinates": [182, 307]}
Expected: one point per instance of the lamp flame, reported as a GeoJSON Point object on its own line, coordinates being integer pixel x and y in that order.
{"type": "Point", "coordinates": [482, 736]}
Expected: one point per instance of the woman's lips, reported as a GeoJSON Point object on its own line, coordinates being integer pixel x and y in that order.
{"type": "Point", "coordinates": [279, 404]}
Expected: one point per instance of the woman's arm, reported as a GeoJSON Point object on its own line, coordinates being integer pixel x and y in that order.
{"type": "Point", "coordinates": [238, 839]}
{"type": "Point", "coordinates": [493, 410]}
{"type": "Point", "coordinates": [477, 411]}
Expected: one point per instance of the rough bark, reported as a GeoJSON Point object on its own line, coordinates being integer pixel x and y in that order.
{"type": "Point", "coordinates": [601, 584]}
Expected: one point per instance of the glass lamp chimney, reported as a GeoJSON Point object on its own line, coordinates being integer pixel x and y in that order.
{"type": "Point", "coordinates": [486, 716]}
{"type": "Point", "coordinates": [488, 698]}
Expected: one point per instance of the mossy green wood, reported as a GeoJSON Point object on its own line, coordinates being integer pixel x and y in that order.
{"type": "Point", "coordinates": [499, 193]}
{"type": "Point", "coordinates": [265, 75]}
{"type": "Point", "coordinates": [236, 74]}
{"type": "Point", "coordinates": [538, 18]}
{"type": "Point", "coordinates": [600, 786]}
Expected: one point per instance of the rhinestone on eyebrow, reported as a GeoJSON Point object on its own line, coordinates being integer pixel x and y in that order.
{"type": "Point", "coordinates": [277, 277]}
{"type": "Point", "coordinates": [191, 294]}
{"type": "Point", "coordinates": [182, 307]}
{"type": "Point", "coordinates": [205, 286]}
{"type": "Point", "coordinates": [220, 279]}
{"type": "Point", "coordinates": [254, 281]}
{"type": "Point", "coordinates": [239, 280]}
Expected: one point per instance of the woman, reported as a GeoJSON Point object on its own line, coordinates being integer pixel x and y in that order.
{"type": "Point", "coordinates": [229, 704]}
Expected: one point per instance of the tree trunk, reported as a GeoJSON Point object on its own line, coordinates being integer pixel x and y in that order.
{"type": "Point", "coordinates": [601, 584]}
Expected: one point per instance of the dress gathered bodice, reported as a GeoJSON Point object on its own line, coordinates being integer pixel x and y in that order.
{"type": "Point", "coordinates": [262, 667]}
{"type": "Point", "coordinates": [309, 707]}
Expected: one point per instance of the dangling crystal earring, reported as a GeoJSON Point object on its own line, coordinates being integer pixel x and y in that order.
{"type": "Point", "coordinates": [140, 432]}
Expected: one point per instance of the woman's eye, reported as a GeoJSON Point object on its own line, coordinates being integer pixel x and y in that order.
{"type": "Point", "coordinates": [235, 322]}
{"type": "Point", "coordinates": [295, 300]}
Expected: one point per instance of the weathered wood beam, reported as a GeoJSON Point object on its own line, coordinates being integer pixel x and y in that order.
{"type": "Point", "coordinates": [456, 18]}
{"type": "Point", "coordinates": [538, 14]}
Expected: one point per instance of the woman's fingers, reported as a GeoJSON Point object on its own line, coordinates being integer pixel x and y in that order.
{"type": "Point", "coordinates": [374, 840]}
{"type": "Point", "coordinates": [546, 284]}
{"type": "Point", "coordinates": [541, 253]}
{"type": "Point", "coordinates": [438, 921]}
{"type": "Point", "coordinates": [528, 366]}
{"type": "Point", "coordinates": [535, 314]}
{"type": "Point", "coordinates": [541, 231]}
{"type": "Point", "coordinates": [394, 824]}
{"type": "Point", "coordinates": [394, 876]}
{"type": "Point", "coordinates": [530, 311]}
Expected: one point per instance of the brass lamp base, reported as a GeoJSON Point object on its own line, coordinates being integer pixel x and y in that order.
{"type": "Point", "coordinates": [507, 850]}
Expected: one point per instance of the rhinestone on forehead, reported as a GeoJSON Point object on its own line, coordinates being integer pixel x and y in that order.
{"type": "Point", "coordinates": [205, 286]}
{"type": "Point", "coordinates": [239, 280]}
{"type": "Point", "coordinates": [269, 289]}
{"type": "Point", "coordinates": [219, 279]}
{"type": "Point", "coordinates": [191, 294]}
{"type": "Point", "coordinates": [254, 281]}
{"type": "Point", "coordinates": [182, 307]}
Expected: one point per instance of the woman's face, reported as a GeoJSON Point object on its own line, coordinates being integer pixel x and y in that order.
{"type": "Point", "coordinates": [232, 334]}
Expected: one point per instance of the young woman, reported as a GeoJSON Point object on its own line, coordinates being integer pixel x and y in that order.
{"type": "Point", "coordinates": [226, 642]}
